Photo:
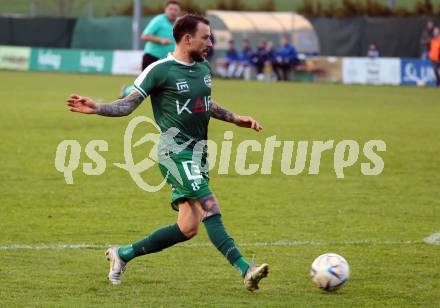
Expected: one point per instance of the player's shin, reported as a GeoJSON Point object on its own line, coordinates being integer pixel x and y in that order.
{"type": "Point", "coordinates": [156, 241]}
{"type": "Point", "coordinates": [224, 243]}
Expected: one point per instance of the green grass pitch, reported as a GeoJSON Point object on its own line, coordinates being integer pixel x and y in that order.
{"type": "Point", "coordinates": [377, 223]}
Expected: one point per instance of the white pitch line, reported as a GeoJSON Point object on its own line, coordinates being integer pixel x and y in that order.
{"type": "Point", "coordinates": [280, 243]}
{"type": "Point", "coordinates": [50, 246]}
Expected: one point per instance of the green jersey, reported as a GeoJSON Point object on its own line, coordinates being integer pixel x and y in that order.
{"type": "Point", "coordinates": [181, 97]}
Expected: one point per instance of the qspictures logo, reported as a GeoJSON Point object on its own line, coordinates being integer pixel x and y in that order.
{"type": "Point", "coordinates": [162, 146]}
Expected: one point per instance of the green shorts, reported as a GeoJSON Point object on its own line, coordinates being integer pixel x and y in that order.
{"type": "Point", "coordinates": [183, 173]}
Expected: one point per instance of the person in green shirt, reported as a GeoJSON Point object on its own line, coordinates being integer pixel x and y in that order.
{"type": "Point", "coordinates": [180, 90]}
{"type": "Point", "coordinates": [159, 34]}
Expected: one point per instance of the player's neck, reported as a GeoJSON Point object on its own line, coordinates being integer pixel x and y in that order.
{"type": "Point", "coordinates": [182, 56]}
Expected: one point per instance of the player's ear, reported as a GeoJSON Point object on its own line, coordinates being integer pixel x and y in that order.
{"type": "Point", "coordinates": [187, 38]}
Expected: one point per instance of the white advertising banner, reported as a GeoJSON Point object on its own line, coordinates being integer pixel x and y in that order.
{"type": "Point", "coordinates": [127, 62]}
{"type": "Point", "coordinates": [371, 70]}
{"type": "Point", "coordinates": [14, 58]}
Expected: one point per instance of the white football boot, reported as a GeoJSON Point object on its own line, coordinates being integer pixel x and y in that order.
{"type": "Point", "coordinates": [117, 265]}
{"type": "Point", "coordinates": [254, 274]}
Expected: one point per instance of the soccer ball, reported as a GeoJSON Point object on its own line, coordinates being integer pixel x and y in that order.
{"type": "Point", "coordinates": [330, 271]}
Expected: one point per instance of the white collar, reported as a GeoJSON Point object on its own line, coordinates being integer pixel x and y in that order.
{"type": "Point", "coordinates": [181, 62]}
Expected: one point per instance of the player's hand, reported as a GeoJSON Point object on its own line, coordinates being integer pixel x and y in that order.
{"type": "Point", "coordinates": [165, 41]}
{"type": "Point", "coordinates": [82, 104]}
{"type": "Point", "coordinates": [245, 121]}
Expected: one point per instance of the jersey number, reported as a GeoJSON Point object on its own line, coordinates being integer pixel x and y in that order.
{"type": "Point", "coordinates": [192, 172]}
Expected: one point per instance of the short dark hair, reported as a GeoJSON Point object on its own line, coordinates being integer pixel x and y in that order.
{"type": "Point", "coordinates": [187, 24]}
{"type": "Point", "coordinates": [173, 2]}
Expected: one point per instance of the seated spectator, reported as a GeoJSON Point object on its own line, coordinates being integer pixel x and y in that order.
{"type": "Point", "coordinates": [227, 67]}
{"type": "Point", "coordinates": [259, 58]}
{"type": "Point", "coordinates": [245, 60]}
{"type": "Point", "coordinates": [286, 58]}
{"type": "Point", "coordinates": [247, 53]}
{"type": "Point", "coordinates": [232, 59]}
{"type": "Point", "coordinates": [269, 62]}
{"type": "Point", "coordinates": [373, 52]}
{"type": "Point", "coordinates": [220, 67]}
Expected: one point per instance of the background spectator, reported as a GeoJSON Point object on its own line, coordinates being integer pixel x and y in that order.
{"type": "Point", "coordinates": [425, 40]}
{"type": "Point", "coordinates": [286, 59]}
{"type": "Point", "coordinates": [259, 58]}
{"type": "Point", "coordinates": [269, 62]}
{"type": "Point", "coordinates": [227, 67]}
{"type": "Point", "coordinates": [246, 59]}
{"type": "Point", "coordinates": [232, 59]}
{"type": "Point", "coordinates": [434, 54]}
{"type": "Point", "coordinates": [373, 51]}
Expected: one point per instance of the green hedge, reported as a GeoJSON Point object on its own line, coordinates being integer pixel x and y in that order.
{"type": "Point", "coordinates": [192, 7]}
{"type": "Point", "coordinates": [351, 8]}
{"type": "Point", "coordinates": [312, 8]}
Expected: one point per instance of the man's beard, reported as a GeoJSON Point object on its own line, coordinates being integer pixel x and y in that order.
{"type": "Point", "coordinates": [197, 56]}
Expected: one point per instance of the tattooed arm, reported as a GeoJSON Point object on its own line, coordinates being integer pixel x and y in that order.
{"type": "Point", "coordinates": [119, 108]}
{"type": "Point", "coordinates": [220, 113]}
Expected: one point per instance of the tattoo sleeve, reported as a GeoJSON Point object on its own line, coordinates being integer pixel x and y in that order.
{"type": "Point", "coordinates": [121, 107]}
{"type": "Point", "coordinates": [220, 113]}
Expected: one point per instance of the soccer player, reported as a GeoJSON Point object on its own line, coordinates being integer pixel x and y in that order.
{"type": "Point", "coordinates": [180, 90]}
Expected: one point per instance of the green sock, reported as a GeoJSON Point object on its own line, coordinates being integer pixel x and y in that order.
{"type": "Point", "coordinates": [126, 253]}
{"type": "Point", "coordinates": [224, 242]}
{"type": "Point", "coordinates": [242, 266]}
{"type": "Point", "coordinates": [156, 241]}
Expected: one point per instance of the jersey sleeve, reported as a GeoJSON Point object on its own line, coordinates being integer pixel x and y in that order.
{"type": "Point", "coordinates": [149, 80]}
{"type": "Point", "coordinates": [152, 26]}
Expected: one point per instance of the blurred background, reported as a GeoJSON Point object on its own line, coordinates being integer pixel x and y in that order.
{"type": "Point", "coordinates": [349, 41]}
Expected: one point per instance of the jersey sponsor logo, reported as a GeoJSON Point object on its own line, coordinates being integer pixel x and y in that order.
{"type": "Point", "coordinates": [182, 86]}
{"type": "Point", "coordinates": [201, 105]}
{"type": "Point", "coordinates": [208, 81]}
{"type": "Point", "coordinates": [184, 107]}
